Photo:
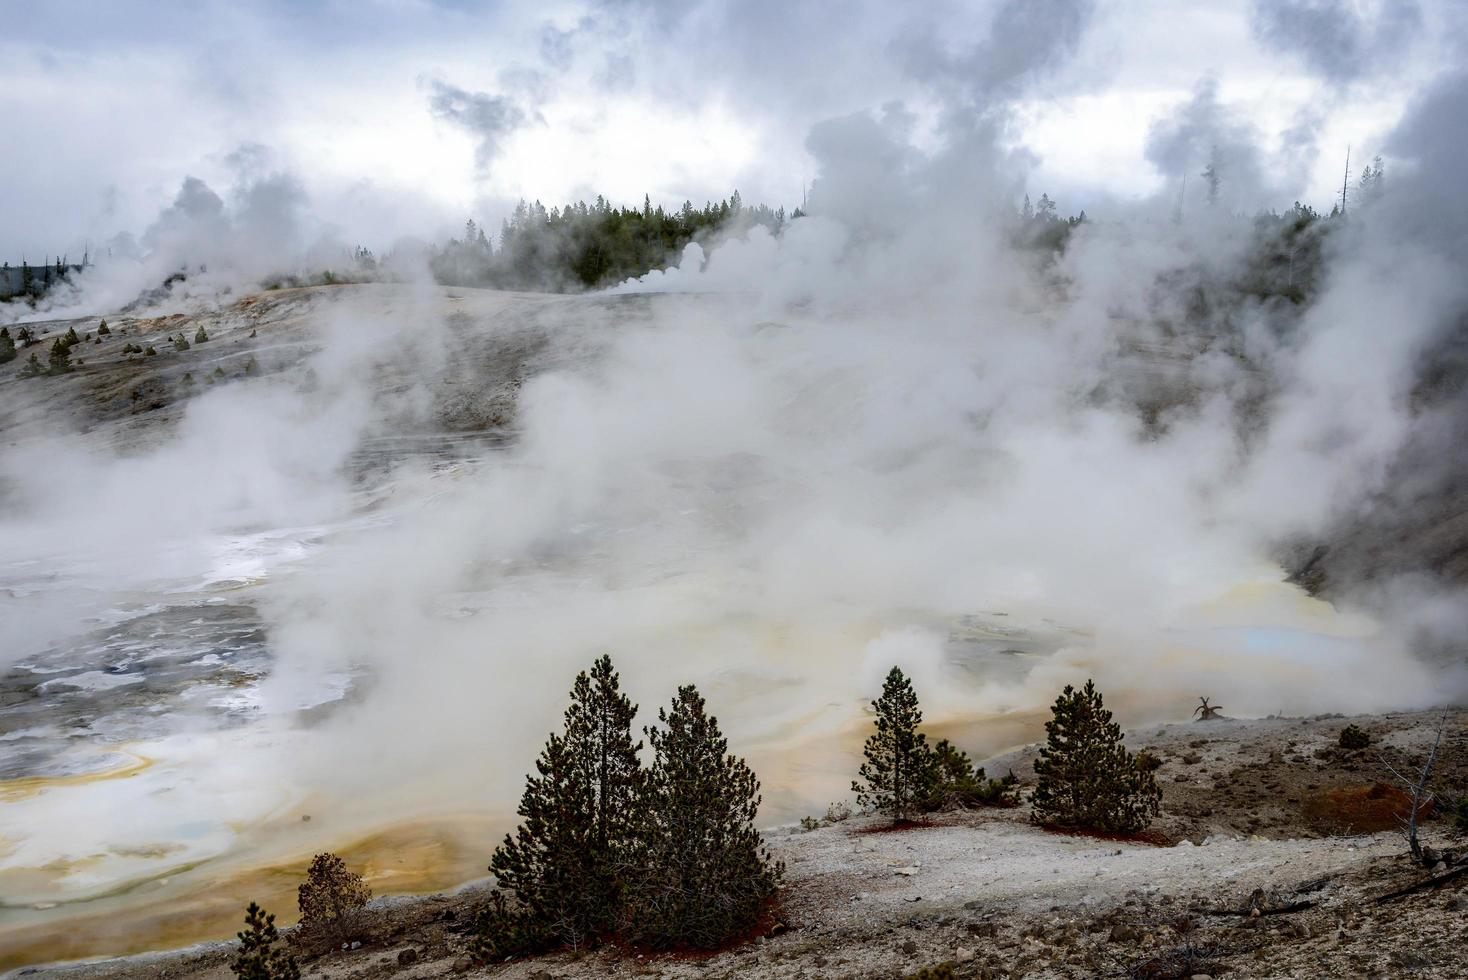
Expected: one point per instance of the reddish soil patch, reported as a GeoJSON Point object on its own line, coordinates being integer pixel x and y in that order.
{"type": "Point", "coordinates": [900, 827]}
{"type": "Point", "coordinates": [1359, 809]}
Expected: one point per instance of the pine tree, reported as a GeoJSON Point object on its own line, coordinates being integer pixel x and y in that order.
{"type": "Point", "coordinates": [569, 861]}
{"type": "Point", "coordinates": [32, 368]}
{"type": "Point", "coordinates": [181, 343]}
{"type": "Point", "coordinates": [258, 959]}
{"type": "Point", "coordinates": [899, 773]}
{"type": "Point", "coordinates": [70, 339]}
{"type": "Point", "coordinates": [705, 875]}
{"type": "Point", "coordinates": [59, 357]}
{"type": "Point", "coordinates": [200, 336]}
{"type": "Point", "coordinates": [102, 329]}
{"type": "Point", "coordinates": [1085, 776]}
{"type": "Point", "coordinates": [7, 346]}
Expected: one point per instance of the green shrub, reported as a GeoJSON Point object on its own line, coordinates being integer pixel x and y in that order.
{"type": "Point", "coordinates": [959, 783]}
{"type": "Point", "coordinates": [940, 971]}
{"type": "Point", "coordinates": [102, 329]}
{"type": "Point", "coordinates": [567, 861]}
{"type": "Point", "coordinates": [703, 874]}
{"type": "Point", "coordinates": [149, 351]}
{"type": "Point", "coordinates": [59, 357]}
{"type": "Point", "coordinates": [200, 337]}
{"type": "Point", "coordinates": [1085, 777]}
{"type": "Point", "coordinates": [1148, 761]}
{"type": "Point", "coordinates": [809, 823]}
{"type": "Point", "coordinates": [258, 959]}
{"type": "Point", "coordinates": [1353, 737]}
{"type": "Point", "coordinates": [181, 343]}
{"type": "Point", "coordinates": [331, 900]}
{"type": "Point", "coordinates": [7, 346]}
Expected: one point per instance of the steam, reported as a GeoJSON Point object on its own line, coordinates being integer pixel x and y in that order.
{"type": "Point", "coordinates": [887, 435]}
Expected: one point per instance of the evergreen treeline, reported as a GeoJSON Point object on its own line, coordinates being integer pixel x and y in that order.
{"type": "Point", "coordinates": [584, 246]}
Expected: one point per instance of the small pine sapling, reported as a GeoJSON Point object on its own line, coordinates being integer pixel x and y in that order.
{"type": "Point", "coordinates": [258, 959]}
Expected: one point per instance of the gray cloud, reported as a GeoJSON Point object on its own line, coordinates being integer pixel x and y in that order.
{"type": "Point", "coordinates": [1334, 38]}
{"type": "Point", "coordinates": [490, 119]}
{"type": "Point", "coordinates": [1026, 38]}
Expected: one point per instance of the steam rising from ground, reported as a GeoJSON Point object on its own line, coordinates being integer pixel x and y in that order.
{"type": "Point", "coordinates": [785, 464]}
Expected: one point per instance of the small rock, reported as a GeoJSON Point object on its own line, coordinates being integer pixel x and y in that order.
{"type": "Point", "coordinates": [963, 954]}
{"type": "Point", "coordinates": [909, 948]}
{"type": "Point", "coordinates": [407, 957]}
{"type": "Point", "coordinates": [1123, 933]}
{"type": "Point", "coordinates": [356, 944]}
{"type": "Point", "coordinates": [463, 964]}
{"type": "Point", "coordinates": [905, 872]}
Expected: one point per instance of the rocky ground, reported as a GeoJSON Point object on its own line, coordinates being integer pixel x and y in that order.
{"type": "Point", "coordinates": [1273, 857]}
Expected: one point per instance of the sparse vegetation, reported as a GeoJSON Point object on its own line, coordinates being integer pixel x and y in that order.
{"type": "Point", "coordinates": [200, 336]}
{"type": "Point", "coordinates": [837, 812]}
{"type": "Point", "coordinates": [258, 958]}
{"type": "Point", "coordinates": [70, 339]}
{"type": "Point", "coordinates": [809, 823]}
{"type": "Point", "coordinates": [1353, 737]}
{"type": "Point", "coordinates": [102, 329]}
{"type": "Point", "coordinates": [32, 368]}
{"type": "Point", "coordinates": [7, 346]}
{"type": "Point", "coordinates": [149, 351]}
{"type": "Point", "coordinates": [900, 774]}
{"type": "Point", "coordinates": [331, 900]}
{"type": "Point", "coordinates": [181, 343]}
{"type": "Point", "coordinates": [1085, 777]}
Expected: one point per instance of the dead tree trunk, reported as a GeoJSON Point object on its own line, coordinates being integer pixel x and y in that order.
{"type": "Point", "coordinates": [1421, 795]}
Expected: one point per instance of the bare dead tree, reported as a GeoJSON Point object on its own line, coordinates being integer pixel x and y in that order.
{"type": "Point", "coordinates": [1206, 711]}
{"type": "Point", "coordinates": [1417, 782]}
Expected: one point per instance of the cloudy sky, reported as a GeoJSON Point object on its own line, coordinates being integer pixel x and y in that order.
{"type": "Point", "coordinates": [386, 118]}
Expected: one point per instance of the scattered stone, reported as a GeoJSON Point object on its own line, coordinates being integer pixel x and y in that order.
{"type": "Point", "coordinates": [909, 948]}
{"type": "Point", "coordinates": [463, 964]}
{"type": "Point", "coordinates": [963, 954]}
{"type": "Point", "coordinates": [407, 957]}
{"type": "Point", "coordinates": [905, 872]}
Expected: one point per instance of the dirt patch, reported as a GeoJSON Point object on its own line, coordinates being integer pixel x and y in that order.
{"type": "Point", "coordinates": [1153, 838]}
{"type": "Point", "coordinates": [1360, 809]}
